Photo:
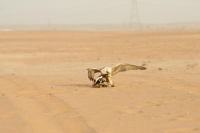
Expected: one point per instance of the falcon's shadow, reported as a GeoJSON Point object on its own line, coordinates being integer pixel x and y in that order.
{"type": "Point", "coordinates": [76, 85]}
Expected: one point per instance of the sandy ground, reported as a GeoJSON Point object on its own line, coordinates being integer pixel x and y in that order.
{"type": "Point", "coordinates": [44, 86]}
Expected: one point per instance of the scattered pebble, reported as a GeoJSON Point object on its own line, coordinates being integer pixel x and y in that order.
{"type": "Point", "coordinates": [144, 64]}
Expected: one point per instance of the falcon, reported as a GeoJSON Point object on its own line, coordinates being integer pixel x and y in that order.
{"type": "Point", "coordinates": [106, 73]}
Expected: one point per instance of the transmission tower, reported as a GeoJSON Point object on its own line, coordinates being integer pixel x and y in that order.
{"type": "Point", "coordinates": [134, 16]}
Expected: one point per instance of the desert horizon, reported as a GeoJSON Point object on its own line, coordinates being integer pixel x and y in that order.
{"type": "Point", "coordinates": [102, 27]}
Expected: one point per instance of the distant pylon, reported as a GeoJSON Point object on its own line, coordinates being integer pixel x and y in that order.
{"type": "Point", "coordinates": [134, 16]}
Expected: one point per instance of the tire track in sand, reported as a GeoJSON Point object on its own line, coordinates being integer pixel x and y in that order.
{"type": "Point", "coordinates": [40, 111]}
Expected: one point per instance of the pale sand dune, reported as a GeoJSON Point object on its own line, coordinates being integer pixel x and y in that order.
{"type": "Point", "coordinates": [44, 84]}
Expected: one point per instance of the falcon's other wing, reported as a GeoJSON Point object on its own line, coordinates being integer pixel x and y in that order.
{"type": "Point", "coordinates": [124, 67]}
{"type": "Point", "coordinates": [91, 72]}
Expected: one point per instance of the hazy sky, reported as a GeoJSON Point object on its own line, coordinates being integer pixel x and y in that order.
{"type": "Point", "coordinates": [96, 11]}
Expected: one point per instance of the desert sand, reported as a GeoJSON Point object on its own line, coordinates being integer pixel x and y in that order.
{"type": "Point", "coordinates": [44, 86]}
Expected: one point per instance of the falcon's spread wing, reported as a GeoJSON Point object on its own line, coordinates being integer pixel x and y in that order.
{"type": "Point", "coordinates": [91, 72]}
{"type": "Point", "coordinates": [124, 67]}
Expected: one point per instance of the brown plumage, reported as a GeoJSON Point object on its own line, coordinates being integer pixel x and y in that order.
{"type": "Point", "coordinates": [108, 72]}
{"type": "Point", "coordinates": [124, 67]}
{"type": "Point", "coordinates": [91, 73]}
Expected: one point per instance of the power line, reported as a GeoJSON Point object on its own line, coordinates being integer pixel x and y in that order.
{"type": "Point", "coordinates": [134, 15]}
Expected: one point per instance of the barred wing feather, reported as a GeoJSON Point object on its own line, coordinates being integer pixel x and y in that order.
{"type": "Point", "coordinates": [124, 67]}
{"type": "Point", "coordinates": [91, 73]}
